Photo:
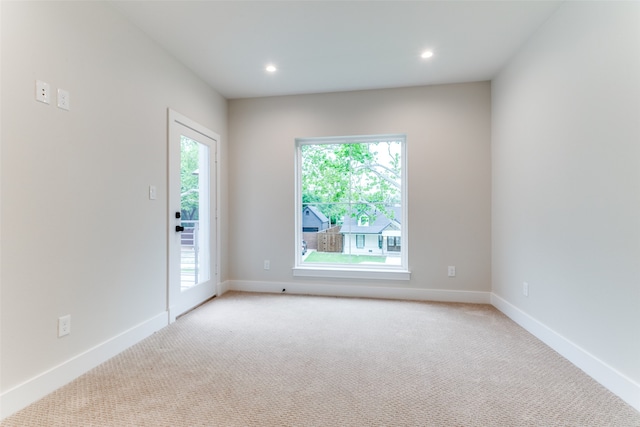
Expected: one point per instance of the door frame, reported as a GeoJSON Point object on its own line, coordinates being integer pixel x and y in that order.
{"type": "Point", "coordinates": [174, 120]}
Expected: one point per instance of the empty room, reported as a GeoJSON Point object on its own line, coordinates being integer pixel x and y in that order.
{"type": "Point", "coordinates": [320, 213]}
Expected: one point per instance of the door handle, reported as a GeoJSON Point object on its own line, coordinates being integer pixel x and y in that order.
{"type": "Point", "coordinates": [179, 228]}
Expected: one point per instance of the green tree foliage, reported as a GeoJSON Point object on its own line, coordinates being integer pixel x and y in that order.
{"type": "Point", "coordinates": [189, 185]}
{"type": "Point", "coordinates": [352, 177]}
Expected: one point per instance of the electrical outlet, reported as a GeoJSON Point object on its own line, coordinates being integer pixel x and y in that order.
{"type": "Point", "coordinates": [43, 92]}
{"type": "Point", "coordinates": [63, 99]}
{"type": "Point", "coordinates": [452, 271]}
{"type": "Point", "coordinates": [267, 264]}
{"type": "Point", "coordinates": [64, 325]}
{"type": "Point", "coordinates": [525, 289]}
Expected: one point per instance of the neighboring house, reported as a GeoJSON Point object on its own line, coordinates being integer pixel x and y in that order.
{"type": "Point", "coordinates": [373, 233]}
{"type": "Point", "coordinates": [313, 220]}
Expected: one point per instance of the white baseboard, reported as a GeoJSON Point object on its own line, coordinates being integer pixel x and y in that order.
{"type": "Point", "coordinates": [16, 398]}
{"type": "Point", "coordinates": [616, 382]}
{"type": "Point", "coordinates": [222, 288]}
{"type": "Point", "coordinates": [342, 290]}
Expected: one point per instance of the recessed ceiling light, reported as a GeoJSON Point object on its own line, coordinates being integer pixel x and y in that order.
{"type": "Point", "coordinates": [427, 54]}
{"type": "Point", "coordinates": [271, 68]}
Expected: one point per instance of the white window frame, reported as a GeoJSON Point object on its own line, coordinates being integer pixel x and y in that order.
{"type": "Point", "coordinates": [355, 271]}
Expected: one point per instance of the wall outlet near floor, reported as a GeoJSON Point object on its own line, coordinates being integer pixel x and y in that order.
{"type": "Point", "coordinates": [525, 289]}
{"type": "Point", "coordinates": [64, 325]}
{"type": "Point", "coordinates": [267, 264]}
{"type": "Point", "coordinates": [452, 271]}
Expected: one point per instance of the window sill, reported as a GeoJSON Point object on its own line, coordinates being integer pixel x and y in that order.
{"type": "Point", "coordinates": [344, 273]}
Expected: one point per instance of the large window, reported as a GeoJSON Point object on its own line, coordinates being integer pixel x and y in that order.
{"type": "Point", "coordinates": [355, 187]}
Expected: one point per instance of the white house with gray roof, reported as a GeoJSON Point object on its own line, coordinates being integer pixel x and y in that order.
{"type": "Point", "coordinates": [373, 233]}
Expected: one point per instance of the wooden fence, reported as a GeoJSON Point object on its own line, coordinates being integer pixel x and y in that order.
{"type": "Point", "coordinates": [330, 240]}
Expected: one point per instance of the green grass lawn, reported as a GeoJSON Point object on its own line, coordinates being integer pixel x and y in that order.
{"type": "Point", "coordinates": [332, 257]}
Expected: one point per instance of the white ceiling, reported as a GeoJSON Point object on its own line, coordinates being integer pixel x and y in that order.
{"type": "Point", "coordinates": [329, 46]}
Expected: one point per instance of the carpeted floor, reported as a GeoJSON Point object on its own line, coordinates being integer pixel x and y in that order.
{"type": "Point", "coordinates": [285, 360]}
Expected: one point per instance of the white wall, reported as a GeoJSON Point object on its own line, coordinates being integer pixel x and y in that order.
{"type": "Point", "coordinates": [565, 187]}
{"type": "Point", "coordinates": [448, 142]}
{"type": "Point", "coordinates": [79, 234]}
{"type": "Point", "coordinates": [566, 182]}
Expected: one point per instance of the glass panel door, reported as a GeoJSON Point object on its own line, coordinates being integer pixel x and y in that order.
{"type": "Point", "coordinates": [192, 239]}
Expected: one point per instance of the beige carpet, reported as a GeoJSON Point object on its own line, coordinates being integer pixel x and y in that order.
{"type": "Point", "coordinates": [285, 360]}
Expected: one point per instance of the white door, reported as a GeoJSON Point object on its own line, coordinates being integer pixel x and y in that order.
{"type": "Point", "coordinates": [192, 230]}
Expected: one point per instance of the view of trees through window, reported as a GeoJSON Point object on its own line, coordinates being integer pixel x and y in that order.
{"type": "Point", "coordinates": [189, 176]}
{"type": "Point", "coordinates": [351, 199]}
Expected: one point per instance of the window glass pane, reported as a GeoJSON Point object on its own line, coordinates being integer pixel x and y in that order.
{"type": "Point", "coordinates": [351, 201]}
{"type": "Point", "coordinates": [194, 208]}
